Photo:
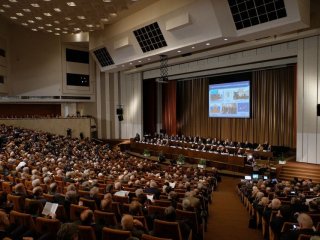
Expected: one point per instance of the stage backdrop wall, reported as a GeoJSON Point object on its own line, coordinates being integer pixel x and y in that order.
{"type": "Point", "coordinates": [273, 110]}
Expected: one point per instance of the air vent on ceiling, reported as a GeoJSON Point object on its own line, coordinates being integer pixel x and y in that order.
{"type": "Point", "coordinates": [103, 57]}
{"type": "Point", "coordinates": [247, 13]}
{"type": "Point", "coordinates": [150, 37]}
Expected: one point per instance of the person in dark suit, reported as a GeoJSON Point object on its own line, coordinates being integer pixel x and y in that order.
{"type": "Point", "coordinates": [247, 145]}
{"type": "Point", "coordinates": [305, 227]}
{"type": "Point", "coordinates": [283, 215]}
{"type": "Point", "coordinates": [87, 219]}
{"type": "Point", "coordinates": [185, 226]}
{"type": "Point", "coordinates": [153, 189]}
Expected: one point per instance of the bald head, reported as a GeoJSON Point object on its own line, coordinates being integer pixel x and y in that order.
{"type": "Point", "coordinates": [305, 221]}
{"type": "Point", "coordinates": [127, 222]}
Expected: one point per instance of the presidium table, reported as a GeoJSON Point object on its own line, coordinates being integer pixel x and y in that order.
{"type": "Point", "coordinates": [192, 156]}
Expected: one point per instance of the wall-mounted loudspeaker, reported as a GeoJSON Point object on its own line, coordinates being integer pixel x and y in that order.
{"type": "Point", "coordinates": [318, 110]}
{"type": "Point", "coordinates": [120, 117]}
{"type": "Point", "coordinates": [119, 111]}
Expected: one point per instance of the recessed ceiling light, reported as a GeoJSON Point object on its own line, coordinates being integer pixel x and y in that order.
{"type": "Point", "coordinates": [49, 30]}
{"type": "Point", "coordinates": [98, 25]}
{"type": "Point", "coordinates": [89, 25]}
{"type": "Point", "coordinates": [35, 5]}
{"type": "Point", "coordinates": [225, 39]}
{"type": "Point", "coordinates": [56, 22]}
{"type": "Point", "coordinates": [47, 0]}
{"type": "Point", "coordinates": [104, 20]}
{"type": "Point", "coordinates": [130, 63]}
{"type": "Point", "coordinates": [26, 10]}
{"type": "Point", "coordinates": [24, 24]}
{"type": "Point", "coordinates": [19, 14]}
{"type": "Point", "coordinates": [193, 47]}
{"type": "Point", "coordinates": [30, 21]}
{"type": "Point", "coordinates": [71, 4]}
{"type": "Point", "coordinates": [1, 10]}
{"type": "Point", "coordinates": [65, 28]}
{"type": "Point", "coordinates": [208, 44]}
{"type": "Point", "coordinates": [149, 59]}
{"type": "Point", "coordinates": [47, 14]}
{"type": "Point", "coordinates": [34, 29]}
{"type": "Point", "coordinates": [57, 9]}
{"type": "Point", "coordinates": [113, 14]}
{"type": "Point", "coordinates": [179, 51]}
{"type": "Point", "coordinates": [40, 27]}
{"type": "Point", "coordinates": [13, 17]}
{"type": "Point", "coordinates": [68, 19]}
{"type": "Point", "coordinates": [58, 29]}
{"type": "Point", "coordinates": [77, 29]}
{"type": "Point", "coordinates": [13, 1]}
{"type": "Point", "coordinates": [6, 5]}
{"type": "Point", "coordinates": [81, 17]}
{"type": "Point", "coordinates": [56, 33]}
{"type": "Point", "coordinates": [139, 61]}
{"type": "Point", "coordinates": [107, 1]}
{"type": "Point", "coordinates": [38, 18]}
{"type": "Point", "coordinates": [49, 24]}
{"type": "Point", "coordinates": [65, 32]}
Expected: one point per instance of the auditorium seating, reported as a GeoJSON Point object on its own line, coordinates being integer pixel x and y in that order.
{"type": "Point", "coordinates": [302, 189]}
{"type": "Point", "coordinates": [34, 204]}
{"type": "Point", "coordinates": [111, 234]}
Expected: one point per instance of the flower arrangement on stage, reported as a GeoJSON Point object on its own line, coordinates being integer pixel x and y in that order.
{"type": "Point", "coordinates": [181, 159]}
{"type": "Point", "coordinates": [202, 163]}
{"type": "Point", "coordinates": [146, 153]}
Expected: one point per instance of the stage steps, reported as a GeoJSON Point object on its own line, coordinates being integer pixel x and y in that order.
{"type": "Point", "coordinates": [301, 170]}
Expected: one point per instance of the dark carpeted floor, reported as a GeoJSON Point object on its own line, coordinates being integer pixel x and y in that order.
{"type": "Point", "coordinates": [228, 218]}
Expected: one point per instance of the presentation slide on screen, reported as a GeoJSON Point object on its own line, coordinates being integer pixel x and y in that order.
{"type": "Point", "coordinates": [229, 100]}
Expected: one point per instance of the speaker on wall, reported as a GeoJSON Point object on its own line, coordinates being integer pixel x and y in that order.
{"type": "Point", "coordinates": [119, 111]}
{"type": "Point", "coordinates": [120, 117]}
{"type": "Point", "coordinates": [318, 110]}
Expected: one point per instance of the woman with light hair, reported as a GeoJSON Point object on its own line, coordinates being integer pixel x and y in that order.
{"type": "Point", "coordinates": [36, 183]}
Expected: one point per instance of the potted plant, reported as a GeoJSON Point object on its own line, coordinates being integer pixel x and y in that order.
{"type": "Point", "coordinates": [180, 160]}
{"type": "Point", "coordinates": [146, 153]}
{"type": "Point", "coordinates": [202, 163]}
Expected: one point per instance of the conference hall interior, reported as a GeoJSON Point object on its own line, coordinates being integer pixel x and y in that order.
{"type": "Point", "coordinates": [158, 119]}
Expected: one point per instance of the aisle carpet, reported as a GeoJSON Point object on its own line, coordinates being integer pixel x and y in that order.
{"type": "Point", "coordinates": [228, 219]}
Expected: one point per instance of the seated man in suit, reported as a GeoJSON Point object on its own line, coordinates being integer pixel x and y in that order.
{"type": "Point", "coordinates": [153, 189]}
{"type": "Point", "coordinates": [87, 219]}
{"type": "Point", "coordinates": [305, 227]}
{"type": "Point", "coordinates": [133, 225]}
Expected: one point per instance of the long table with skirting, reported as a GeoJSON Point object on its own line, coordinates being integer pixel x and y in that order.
{"type": "Point", "coordinates": [173, 152]}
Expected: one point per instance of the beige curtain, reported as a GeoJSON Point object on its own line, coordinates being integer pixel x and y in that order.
{"type": "Point", "coordinates": [273, 110]}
